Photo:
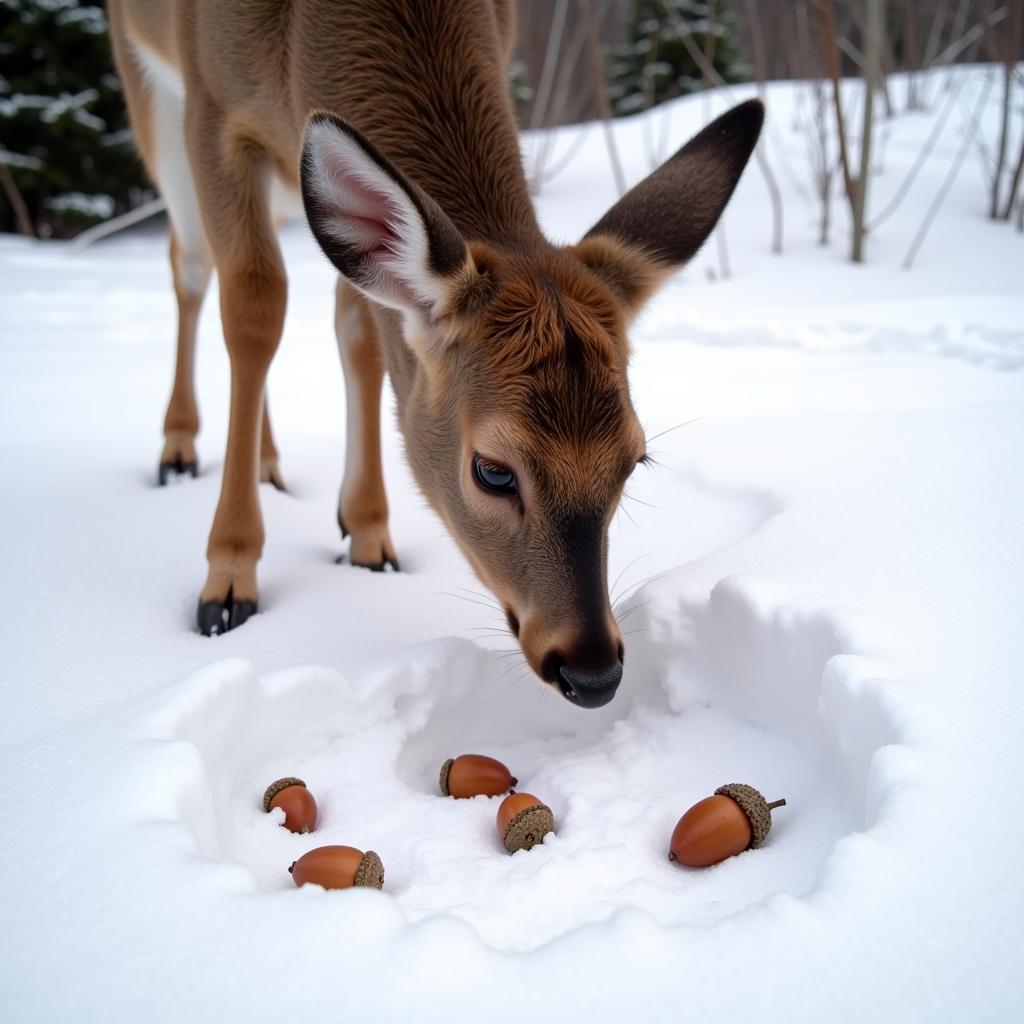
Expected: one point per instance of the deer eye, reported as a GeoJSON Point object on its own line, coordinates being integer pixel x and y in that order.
{"type": "Point", "coordinates": [494, 479]}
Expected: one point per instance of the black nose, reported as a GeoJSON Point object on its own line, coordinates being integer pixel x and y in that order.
{"type": "Point", "coordinates": [587, 688]}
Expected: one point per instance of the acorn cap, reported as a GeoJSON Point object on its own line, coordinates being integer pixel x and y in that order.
{"type": "Point", "coordinates": [445, 769]}
{"type": "Point", "coordinates": [275, 787]}
{"type": "Point", "coordinates": [754, 806]}
{"type": "Point", "coordinates": [529, 827]}
{"type": "Point", "coordinates": [370, 871]}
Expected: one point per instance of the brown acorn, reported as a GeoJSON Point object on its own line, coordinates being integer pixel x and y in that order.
{"type": "Point", "coordinates": [475, 775]}
{"type": "Point", "coordinates": [295, 800]}
{"type": "Point", "coordinates": [523, 822]}
{"type": "Point", "coordinates": [735, 819]}
{"type": "Point", "coordinates": [338, 867]}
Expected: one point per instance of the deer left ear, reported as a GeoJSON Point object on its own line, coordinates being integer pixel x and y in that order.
{"type": "Point", "coordinates": [660, 224]}
{"type": "Point", "coordinates": [381, 231]}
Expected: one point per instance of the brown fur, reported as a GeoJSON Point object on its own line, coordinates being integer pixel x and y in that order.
{"type": "Point", "coordinates": [526, 362]}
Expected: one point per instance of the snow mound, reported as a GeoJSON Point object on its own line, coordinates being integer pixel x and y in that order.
{"type": "Point", "coordinates": [733, 689]}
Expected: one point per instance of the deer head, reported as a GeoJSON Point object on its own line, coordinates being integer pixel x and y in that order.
{"type": "Point", "coordinates": [512, 387]}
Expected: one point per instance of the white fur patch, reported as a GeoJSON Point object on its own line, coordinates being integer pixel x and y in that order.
{"type": "Point", "coordinates": [173, 172]}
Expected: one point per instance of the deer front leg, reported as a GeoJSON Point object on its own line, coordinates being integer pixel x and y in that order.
{"type": "Point", "coordinates": [190, 266]}
{"type": "Point", "coordinates": [270, 470]}
{"type": "Point", "coordinates": [231, 182]}
{"type": "Point", "coordinates": [362, 504]}
{"type": "Point", "coordinates": [252, 307]}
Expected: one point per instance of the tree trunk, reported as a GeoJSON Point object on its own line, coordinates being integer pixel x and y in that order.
{"type": "Point", "coordinates": [761, 71]}
{"type": "Point", "coordinates": [831, 52]}
{"type": "Point", "coordinates": [911, 56]}
{"type": "Point", "coordinates": [872, 55]}
{"type": "Point", "coordinates": [1010, 41]}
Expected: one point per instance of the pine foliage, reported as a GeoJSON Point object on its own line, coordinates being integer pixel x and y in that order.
{"type": "Point", "coordinates": [64, 135]}
{"type": "Point", "coordinates": [654, 65]}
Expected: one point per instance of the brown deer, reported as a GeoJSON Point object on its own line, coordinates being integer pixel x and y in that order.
{"type": "Point", "coordinates": [507, 353]}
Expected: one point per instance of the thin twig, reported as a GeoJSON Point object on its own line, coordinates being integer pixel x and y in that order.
{"type": "Point", "coordinates": [919, 162]}
{"type": "Point", "coordinates": [17, 202]}
{"type": "Point", "coordinates": [601, 93]}
{"type": "Point", "coordinates": [712, 74]}
{"type": "Point", "coordinates": [110, 227]}
{"type": "Point", "coordinates": [950, 178]}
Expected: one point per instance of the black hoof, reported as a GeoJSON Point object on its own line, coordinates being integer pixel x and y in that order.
{"type": "Point", "coordinates": [388, 563]}
{"type": "Point", "coordinates": [215, 617]}
{"type": "Point", "coordinates": [178, 468]}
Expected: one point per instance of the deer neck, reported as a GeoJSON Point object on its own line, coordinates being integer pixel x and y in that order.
{"type": "Point", "coordinates": [436, 102]}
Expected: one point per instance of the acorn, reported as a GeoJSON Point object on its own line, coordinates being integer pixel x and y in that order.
{"type": "Point", "coordinates": [475, 775]}
{"type": "Point", "coordinates": [523, 822]}
{"type": "Point", "coordinates": [735, 819]}
{"type": "Point", "coordinates": [295, 800]}
{"type": "Point", "coordinates": [338, 867]}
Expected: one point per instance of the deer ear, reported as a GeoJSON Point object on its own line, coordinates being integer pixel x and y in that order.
{"type": "Point", "coordinates": [659, 225]}
{"type": "Point", "coordinates": [382, 232]}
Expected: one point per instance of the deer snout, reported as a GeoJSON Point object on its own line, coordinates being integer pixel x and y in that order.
{"type": "Point", "coordinates": [588, 676]}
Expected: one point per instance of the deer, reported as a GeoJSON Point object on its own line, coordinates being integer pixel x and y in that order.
{"type": "Point", "coordinates": [392, 122]}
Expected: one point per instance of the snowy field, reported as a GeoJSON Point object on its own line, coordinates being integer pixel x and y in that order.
{"type": "Point", "coordinates": [833, 553]}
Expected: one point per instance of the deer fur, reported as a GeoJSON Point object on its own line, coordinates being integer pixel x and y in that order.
{"type": "Point", "coordinates": [508, 354]}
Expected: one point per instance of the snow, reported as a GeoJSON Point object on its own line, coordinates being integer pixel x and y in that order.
{"type": "Point", "coordinates": [94, 206]}
{"type": "Point", "coordinates": [832, 545]}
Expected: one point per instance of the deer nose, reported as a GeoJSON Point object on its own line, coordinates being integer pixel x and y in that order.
{"type": "Point", "coordinates": [587, 687]}
{"type": "Point", "coordinates": [590, 689]}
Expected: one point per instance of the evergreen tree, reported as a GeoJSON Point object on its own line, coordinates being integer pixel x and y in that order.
{"type": "Point", "coordinates": [653, 65]}
{"type": "Point", "coordinates": [64, 135]}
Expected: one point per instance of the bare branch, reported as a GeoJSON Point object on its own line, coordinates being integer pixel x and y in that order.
{"type": "Point", "coordinates": [17, 202]}
{"type": "Point", "coordinates": [951, 177]}
{"type": "Point", "coordinates": [951, 52]}
{"type": "Point", "coordinates": [919, 161]}
{"type": "Point", "coordinates": [110, 227]}
{"type": "Point", "coordinates": [547, 74]}
{"type": "Point", "coordinates": [601, 92]}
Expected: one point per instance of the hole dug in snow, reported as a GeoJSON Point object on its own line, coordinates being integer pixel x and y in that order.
{"type": "Point", "coordinates": [732, 689]}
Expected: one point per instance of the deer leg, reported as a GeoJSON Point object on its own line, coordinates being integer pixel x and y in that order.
{"type": "Point", "coordinates": [270, 470]}
{"type": "Point", "coordinates": [191, 271]}
{"type": "Point", "coordinates": [362, 504]}
{"type": "Point", "coordinates": [232, 189]}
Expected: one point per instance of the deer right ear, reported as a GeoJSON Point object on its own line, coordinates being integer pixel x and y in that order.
{"type": "Point", "coordinates": [659, 225]}
{"type": "Point", "coordinates": [384, 234]}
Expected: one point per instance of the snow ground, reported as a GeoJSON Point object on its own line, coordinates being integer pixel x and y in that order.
{"type": "Point", "coordinates": [835, 619]}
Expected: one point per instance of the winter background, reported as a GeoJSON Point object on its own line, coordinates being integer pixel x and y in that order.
{"type": "Point", "coordinates": [819, 582]}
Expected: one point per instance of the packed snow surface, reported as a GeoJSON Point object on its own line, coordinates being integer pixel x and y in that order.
{"type": "Point", "coordinates": [819, 583]}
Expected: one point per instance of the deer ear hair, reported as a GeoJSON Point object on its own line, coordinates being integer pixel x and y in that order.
{"type": "Point", "coordinates": [662, 222]}
{"type": "Point", "coordinates": [630, 274]}
{"type": "Point", "coordinates": [381, 231]}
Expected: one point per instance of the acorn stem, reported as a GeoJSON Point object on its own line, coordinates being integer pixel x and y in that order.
{"type": "Point", "coordinates": [776, 803]}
